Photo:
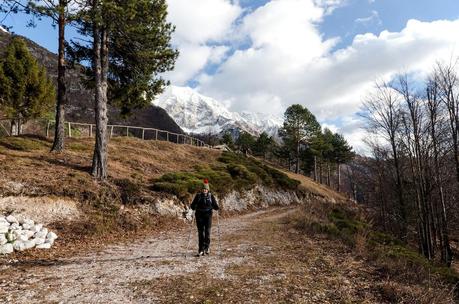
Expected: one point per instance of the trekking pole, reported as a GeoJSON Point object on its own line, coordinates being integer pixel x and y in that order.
{"type": "Point", "coordinates": [219, 241]}
{"type": "Point", "coordinates": [189, 236]}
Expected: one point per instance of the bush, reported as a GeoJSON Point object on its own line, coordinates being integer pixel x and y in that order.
{"type": "Point", "coordinates": [232, 171]}
{"type": "Point", "coordinates": [130, 192]}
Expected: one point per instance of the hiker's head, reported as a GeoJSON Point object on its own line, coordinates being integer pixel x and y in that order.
{"type": "Point", "coordinates": [205, 186]}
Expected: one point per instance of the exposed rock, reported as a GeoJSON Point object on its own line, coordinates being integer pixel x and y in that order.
{"type": "Point", "coordinates": [6, 249]}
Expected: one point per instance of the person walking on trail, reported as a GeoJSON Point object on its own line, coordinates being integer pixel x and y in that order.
{"type": "Point", "coordinates": [203, 203]}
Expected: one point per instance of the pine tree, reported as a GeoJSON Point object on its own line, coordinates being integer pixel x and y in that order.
{"type": "Point", "coordinates": [263, 144]}
{"type": "Point", "coordinates": [130, 49]}
{"type": "Point", "coordinates": [300, 125]}
{"type": "Point", "coordinates": [28, 92]}
{"type": "Point", "coordinates": [245, 142]}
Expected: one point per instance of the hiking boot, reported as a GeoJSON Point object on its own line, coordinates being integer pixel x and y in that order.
{"type": "Point", "coordinates": [207, 251]}
{"type": "Point", "coordinates": [200, 253]}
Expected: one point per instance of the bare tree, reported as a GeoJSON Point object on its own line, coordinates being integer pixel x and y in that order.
{"type": "Point", "coordinates": [382, 111]}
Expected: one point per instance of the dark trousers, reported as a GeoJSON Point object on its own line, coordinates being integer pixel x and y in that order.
{"type": "Point", "coordinates": [204, 223]}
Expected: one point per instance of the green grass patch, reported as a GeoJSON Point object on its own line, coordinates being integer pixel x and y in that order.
{"type": "Point", "coordinates": [79, 147]}
{"type": "Point", "coordinates": [24, 143]}
{"type": "Point", "coordinates": [232, 171]}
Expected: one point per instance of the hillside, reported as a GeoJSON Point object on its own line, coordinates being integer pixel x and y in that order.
{"type": "Point", "coordinates": [80, 100]}
{"type": "Point", "coordinates": [281, 240]}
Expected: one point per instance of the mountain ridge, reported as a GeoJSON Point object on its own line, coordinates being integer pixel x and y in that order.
{"type": "Point", "coordinates": [200, 114]}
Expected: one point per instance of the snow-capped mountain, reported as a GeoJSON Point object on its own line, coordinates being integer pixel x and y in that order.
{"type": "Point", "coordinates": [199, 114]}
{"type": "Point", "coordinates": [2, 29]}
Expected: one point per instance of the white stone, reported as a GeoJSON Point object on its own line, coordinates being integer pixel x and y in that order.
{"type": "Point", "coordinates": [29, 222]}
{"type": "Point", "coordinates": [3, 219]}
{"type": "Point", "coordinates": [29, 244]}
{"type": "Point", "coordinates": [42, 233]}
{"type": "Point", "coordinates": [26, 226]}
{"type": "Point", "coordinates": [15, 226]}
{"type": "Point", "coordinates": [3, 239]}
{"type": "Point", "coordinates": [49, 241]}
{"type": "Point", "coordinates": [4, 229]}
{"type": "Point", "coordinates": [17, 233]}
{"type": "Point", "coordinates": [43, 246]}
{"type": "Point", "coordinates": [22, 238]}
{"type": "Point", "coordinates": [39, 241]}
{"type": "Point", "coordinates": [6, 249]}
{"type": "Point", "coordinates": [51, 236]}
{"type": "Point", "coordinates": [37, 227]}
{"type": "Point", "coordinates": [29, 233]}
{"type": "Point", "coordinates": [11, 219]}
{"type": "Point", "coordinates": [19, 245]}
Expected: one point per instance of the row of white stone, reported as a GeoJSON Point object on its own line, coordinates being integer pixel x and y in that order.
{"type": "Point", "coordinates": [22, 234]}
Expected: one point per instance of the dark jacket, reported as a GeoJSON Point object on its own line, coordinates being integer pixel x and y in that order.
{"type": "Point", "coordinates": [203, 203]}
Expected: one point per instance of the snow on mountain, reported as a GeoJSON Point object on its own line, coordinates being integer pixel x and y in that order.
{"type": "Point", "coordinates": [2, 29]}
{"type": "Point", "coordinates": [199, 114]}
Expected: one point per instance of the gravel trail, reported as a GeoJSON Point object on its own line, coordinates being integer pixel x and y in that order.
{"type": "Point", "coordinates": [107, 276]}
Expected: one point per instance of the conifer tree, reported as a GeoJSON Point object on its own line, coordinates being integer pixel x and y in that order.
{"type": "Point", "coordinates": [130, 48]}
{"type": "Point", "coordinates": [263, 144]}
{"type": "Point", "coordinates": [245, 142]}
{"type": "Point", "coordinates": [300, 125]}
{"type": "Point", "coordinates": [27, 92]}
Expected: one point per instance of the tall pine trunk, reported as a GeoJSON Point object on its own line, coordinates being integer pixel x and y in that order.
{"type": "Point", "coordinates": [59, 133]}
{"type": "Point", "coordinates": [339, 177]}
{"type": "Point", "coordinates": [99, 162]}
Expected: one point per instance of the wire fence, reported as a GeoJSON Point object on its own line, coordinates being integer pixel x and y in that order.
{"type": "Point", "coordinates": [81, 130]}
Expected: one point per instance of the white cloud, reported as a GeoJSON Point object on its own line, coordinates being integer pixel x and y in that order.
{"type": "Point", "coordinates": [285, 59]}
{"type": "Point", "coordinates": [331, 85]}
{"type": "Point", "coordinates": [372, 19]}
{"type": "Point", "coordinates": [201, 26]}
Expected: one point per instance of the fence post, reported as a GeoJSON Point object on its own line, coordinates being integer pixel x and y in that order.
{"type": "Point", "coordinates": [90, 130]}
{"type": "Point", "coordinates": [178, 137]}
{"type": "Point", "coordinates": [143, 134]}
{"type": "Point", "coordinates": [127, 131]}
{"type": "Point", "coordinates": [70, 129]}
{"type": "Point", "coordinates": [167, 136]}
{"type": "Point", "coordinates": [47, 129]}
{"type": "Point", "coordinates": [156, 134]}
{"type": "Point", "coordinates": [111, 132]}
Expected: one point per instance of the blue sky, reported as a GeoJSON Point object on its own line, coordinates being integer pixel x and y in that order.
{"type": "Point", "coordinates": [264, 55]}
{"type": "Point", "coordinates": [392, 15]}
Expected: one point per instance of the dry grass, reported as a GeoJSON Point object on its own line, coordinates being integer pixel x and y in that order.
{"type": "Point", "coordinates": [310, 186]}
{"type": "Point", "coordinates": [27, 160]}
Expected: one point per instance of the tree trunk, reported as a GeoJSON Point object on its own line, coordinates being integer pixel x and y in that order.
{"type": "Point", "coordinates": [339, 177]}
{"type": "Point", "coordinates": [14, 129]}
{"type": "Point", "coordinates": [59, 133]}
{"type": "Point", "coordinates": [328, 175]}
{"type": "Point", "coordinates": [297, 167]}
{"type": "Point", "coordinates": [400, 191]}
{"type": "Point", "coordinates": [315, 168]}
{"type": "Point", "coordinates": [99, 163]}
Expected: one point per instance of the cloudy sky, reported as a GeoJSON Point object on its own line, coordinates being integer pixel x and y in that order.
{"type": "Point", "coordinates": [264, 55]}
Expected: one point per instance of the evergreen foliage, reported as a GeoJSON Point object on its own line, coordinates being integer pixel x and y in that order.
{"type": "Point", "coordinates": [139, 50]}
{"type": "Point", "coordinates": [26, 91]}
{"type": "Point", "coordinates": [300, 125]}
{"type": "Point", "coordinates": [245, 142]}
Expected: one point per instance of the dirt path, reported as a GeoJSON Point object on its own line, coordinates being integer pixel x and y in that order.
{"type": "Point", "coordinates": [263, 260]}
{"type": "Point", "coordinates": [108, 276]}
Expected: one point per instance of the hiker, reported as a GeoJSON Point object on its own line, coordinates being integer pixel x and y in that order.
{"type": "Point", "coordinates": [203, 203]}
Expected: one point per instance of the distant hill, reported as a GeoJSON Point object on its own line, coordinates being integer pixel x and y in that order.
{"type": "Point", "coordinates": [81, 107]}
